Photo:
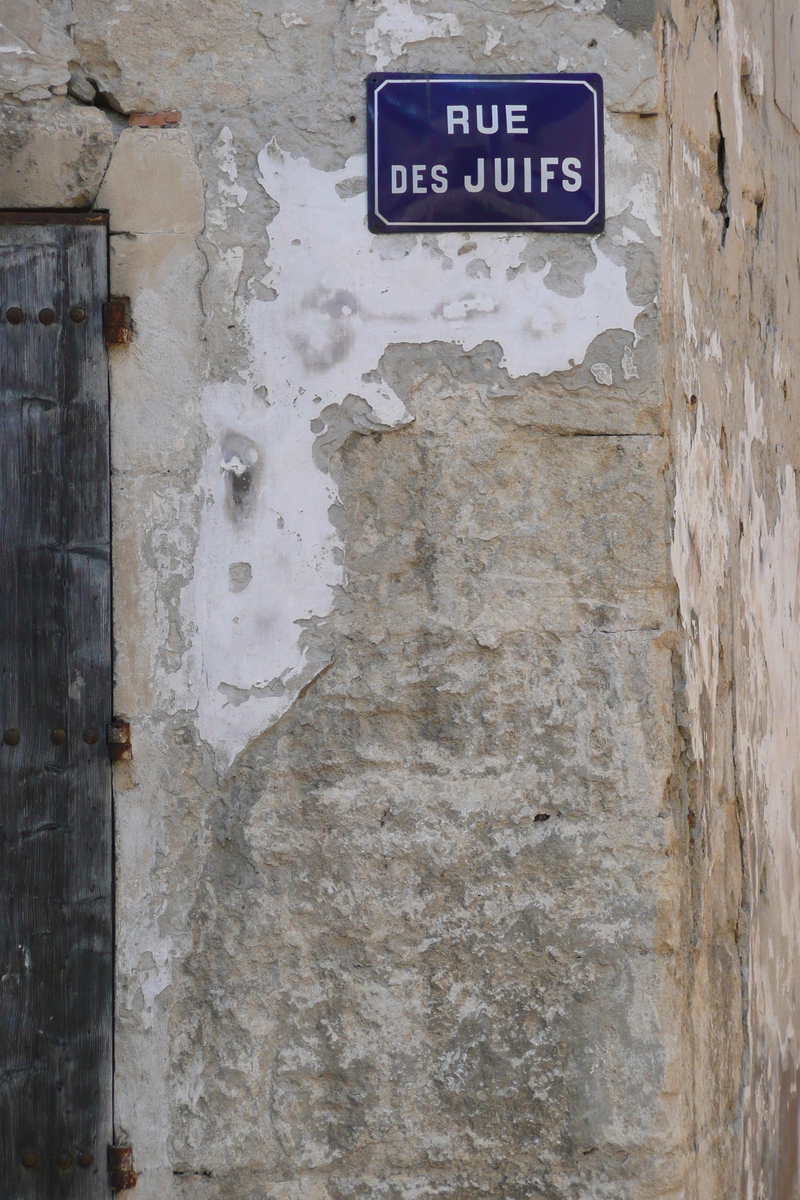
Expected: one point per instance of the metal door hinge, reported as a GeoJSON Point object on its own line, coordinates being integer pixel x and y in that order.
{"type": "Point", "coordinates": [118, 739]}
{"type": "Point", "coordinates": [117, 324]}
{"type": "Point", "coordinates": [121, 1175]}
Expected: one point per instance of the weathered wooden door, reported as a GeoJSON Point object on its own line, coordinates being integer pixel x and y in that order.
{"type": "Point", "coordinates": [56, 926]}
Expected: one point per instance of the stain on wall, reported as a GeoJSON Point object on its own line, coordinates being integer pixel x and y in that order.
{"type": "Point", "coordinates": [637, 16]}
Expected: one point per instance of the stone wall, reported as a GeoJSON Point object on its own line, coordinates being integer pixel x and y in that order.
{"type": "Point", "coordinates": [731, 297]}
{"type": "Point", "coordinates": [404, 856]}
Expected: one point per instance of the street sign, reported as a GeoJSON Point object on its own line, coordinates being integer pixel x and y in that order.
{"type": "Point", "coordinates": [487, 152]}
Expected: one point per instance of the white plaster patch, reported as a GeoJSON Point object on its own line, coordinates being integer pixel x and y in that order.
{"type": "Point", "coordinates": [225, 266]}
{"type": "Point", "coordinates": [626, 238]}
{"type": "Point", "coordinates": [688, 313]}
{"type": "Point", "coordinates": [343, 296]}
{"type": "Point", "coordinates": [288, 19]}
{"type": "Point", "coordinates": [712, 348]}
{"type": "Point", "coordinates": [629, 182]}
{"type": "Point", "coordinates": [690, 160]}
{"type": "Point", "coordinates": [230, 193]}
{"type": "Point", "coordinates": [398, 25]}
{"type": "Point", "coordinates": [493, 37]}
{"type": "Point", "coordinates": [603, 373]}
{"type": "Point", "coordinates": [276, 519]}
{"type": "Point", "coordinates": [629, 368]}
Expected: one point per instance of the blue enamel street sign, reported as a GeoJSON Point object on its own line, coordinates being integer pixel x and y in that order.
{"type": "Point", "coordinates": [485, 152]}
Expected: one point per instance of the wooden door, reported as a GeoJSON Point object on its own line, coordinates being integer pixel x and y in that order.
{"type": "Point", "coordinates": [56, 929]}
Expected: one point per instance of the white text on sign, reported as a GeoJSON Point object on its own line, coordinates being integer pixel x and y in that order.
{"type": "Point", "coordinates": [458, 116]}
{"type": "Point", "coordinates": [566, 172]}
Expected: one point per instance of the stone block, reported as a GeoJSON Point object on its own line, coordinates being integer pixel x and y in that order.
{"type": "Point", "coordinates": [35, 49]}
{"type": "Point", "coordinates": [54, 155]}
{"type": "Point", "coordinates": [153, 184]}
{"type": "Point", "coordinates": [156, 380]}
{"type": "Point", "coordinates": [80, 87]}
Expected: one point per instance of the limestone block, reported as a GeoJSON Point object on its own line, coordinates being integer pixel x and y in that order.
{"type": "Point", "coordinates": [153, 184]}
{"type": "Point", "coordinates": [577, 542]}
{"type": "Point", "coordinates": [54, 155]}
{"type": "Point", "coordinates": [155, 381]}
{"type": "Point", "coordinates": [34, 49]}
{"type": "Point", "coordinates": [420, 875]}
{"type": "Point", "coordinates": [80, 87]}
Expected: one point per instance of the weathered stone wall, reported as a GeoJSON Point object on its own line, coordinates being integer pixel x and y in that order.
{"type": "Point", "coordinates": [731, 302]}
{"type": "Point", "coordinates": [404, 902]}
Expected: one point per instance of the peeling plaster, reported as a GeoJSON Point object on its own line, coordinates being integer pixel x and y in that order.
{"type": "Point", "coordinates": [627, 183]}
{"type": "Point", "coordinates": [398, 25]}
{"type": "Point", "coordinates": [493, 37]}
{"type": "Point", "coordinates": [342, 296]}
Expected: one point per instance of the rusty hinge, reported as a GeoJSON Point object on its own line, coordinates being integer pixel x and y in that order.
{"type": "Point", "coordinates": [117, 325]}
{"type": "Point", "coordinates": [121, 1175]}
{"type": "Point", "coordinates": [118, 739]}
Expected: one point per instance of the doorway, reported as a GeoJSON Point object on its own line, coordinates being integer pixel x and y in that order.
{"type": "Point", "coordinates": [56, 836]}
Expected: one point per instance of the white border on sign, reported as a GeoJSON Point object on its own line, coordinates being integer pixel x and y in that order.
{"type": "Point", "coordinates": [497, 79]}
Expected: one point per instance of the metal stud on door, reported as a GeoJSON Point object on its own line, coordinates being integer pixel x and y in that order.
{"type": "Point", "coordinates": [56, 937]}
